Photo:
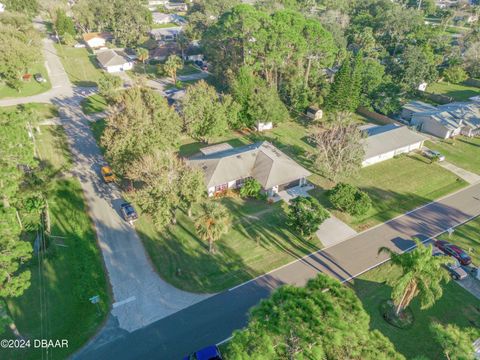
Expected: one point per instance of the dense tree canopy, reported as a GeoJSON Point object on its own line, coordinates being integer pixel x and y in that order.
{"type": "Point", "coordinates": [141, 122]}
{"type": "Point", "coordinates": [19, 48]}
{"type": "Point", "coordinates": [324, 320]}
{"type": "Point", "coordinates": [128, 20]}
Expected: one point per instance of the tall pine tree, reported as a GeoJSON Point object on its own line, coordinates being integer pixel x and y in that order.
{"type": "Point", "coordinates": [346, 88]}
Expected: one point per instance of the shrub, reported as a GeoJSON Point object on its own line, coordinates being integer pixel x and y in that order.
{"type": "Point", "coordinates": [350, 199]}
{"type": "Point", "coordinates": [306, 214]}
{"type": "Point", "coordinates": [455, 74]}
{"type": "Point", "coordinates": [251, 188]}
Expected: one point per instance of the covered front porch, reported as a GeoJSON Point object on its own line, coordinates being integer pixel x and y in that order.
{"type": "Point", "coordinates": [292, 192]}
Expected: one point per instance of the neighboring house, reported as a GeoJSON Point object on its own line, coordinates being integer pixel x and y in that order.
{"type": "Point", "coordinates": [161, 53]}
{"type": "Point", "coordinates": [176, 6]}
{"type": "Point", "coordinates": [228, 168]}
{"type": "Point", "coordinates": [193, 53]}
{"type": "Point", "coordinates": [166, 34]}
{"type": "Point", "coordinates": [161, 18]}
{"type": "Point", "coordinates": [445, 121]}
{"type": "Point", "coordinates": [97, 40]}
{"type": "Point", "coordinates": [415, 107]}
{"type": "Point", "coordinates": [386, 141]}
{"type": "Point", "coordinates": [114, 61]}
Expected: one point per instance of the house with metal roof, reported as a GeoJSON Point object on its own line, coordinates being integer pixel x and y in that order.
{"type": "Point", "coordinates": [114, 61]}
{"type": "Point", "coordinates": [384, 142]}
{"type": "Point", "coordinates": [226, 167]}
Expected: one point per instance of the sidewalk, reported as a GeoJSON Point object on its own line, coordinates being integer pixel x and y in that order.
{"type": "Point", "coordinates": [466, 175]}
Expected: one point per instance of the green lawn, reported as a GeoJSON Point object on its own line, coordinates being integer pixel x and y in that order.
{"type": "Point", "coordinates": [42, 111]}
{"type": "Point", "coordinates": [53, 147]}
{"type": "Point", "coordinates": [31, 87]}
{"type": "Point", "coordinates": [188, 69]}
{"type": "Point", "coordinates": [80, 65]}
{"type": "Point", "coordinates": [56, 305]}
{"type": "Point", "coordinates": [457, 306]}
{"type": "Point", "coordinates": [463, 152]}
{"type": "Point", "coordinates": [253, 247]}
{"type": "Point", "coordinates": [467, 237]}
{"type": "Point", "coordinates": [97, 128]}
{"type": "Point", "coordinates": [456, 91]}
{"type": "Point", "coordinates": [94, 104]}
{"type": "Point", "coordinates": [396, 186]}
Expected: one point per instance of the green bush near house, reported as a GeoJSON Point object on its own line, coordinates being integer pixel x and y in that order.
{"type": "Point", "coordinates": [251, 188]}
{"type": "Point", "coordinates": [348, 198]}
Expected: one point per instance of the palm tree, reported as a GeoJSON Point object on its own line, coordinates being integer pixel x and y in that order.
{"type": "Point", "coordinates": [142, 55]}
{"type": "Point", "coordinates": [212, 223]}
{"type": "Point", "coordinates": [171, 66]}
{"type": "Point", "coordinates": [422, 274]}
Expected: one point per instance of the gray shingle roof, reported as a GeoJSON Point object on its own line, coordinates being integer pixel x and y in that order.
{"type": "Point", "coordinates": [387, 138]}
{"type": "Point", "coordinates": [262, 161]}
{"type": "Point", "coordinates": [419, 106]}
{"type": "Point", "coordinates": [111, 58]}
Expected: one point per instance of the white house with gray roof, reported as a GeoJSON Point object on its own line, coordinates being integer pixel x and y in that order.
{"type": "Point", "coordinates": [114, 61]}
{"type": "Point", "coordinates": [226, 167]}
{"type": "Point", "coordinates": [445, 121]}
{"type": "Point", "coordinates": [385, 142]}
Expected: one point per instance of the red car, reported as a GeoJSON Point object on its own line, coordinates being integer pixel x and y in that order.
{"type": "Point", "coordinates": [454, 251]}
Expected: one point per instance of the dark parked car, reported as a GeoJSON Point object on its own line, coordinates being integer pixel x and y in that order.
{"type": "Point", "coordinates": [209, 353]}
{"type": "Point", "coordinates": [454, 251]}
{"type": "Point", "coordinates": [128, 212]}
{"type": "Point", "coordinates": [39, 78]}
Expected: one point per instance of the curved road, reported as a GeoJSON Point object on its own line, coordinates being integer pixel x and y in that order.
{"type": "Point", "coordinates": [140, 295]}
{"type": "Point", "coordinates": [214, 319]}
{"type": "Point", "coordinates": [153, 320]}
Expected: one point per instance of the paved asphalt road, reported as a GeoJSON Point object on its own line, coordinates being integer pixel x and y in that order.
{"type": "Point", "coordinates": [214, 319]}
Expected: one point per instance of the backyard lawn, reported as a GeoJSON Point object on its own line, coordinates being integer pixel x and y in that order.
{"type": "Point", "coordinates": [456, 306]}
{"type": "Point", "coordinates": [258, 242]}
{"type": "Point", "coordinates": [94, 104]}
{"type": "Point", "coordinates": [29, 88]}
{"type": "Point", "coordinates": [56, 304]}
{"type": "Point", "coordinates": [463, 152]}
{"type": "Point", "coordinates": [467, 236]}
{"type": "Point", "coordinates": [456, 91]}
{"type": "Point", "coordinates": [80, 65]}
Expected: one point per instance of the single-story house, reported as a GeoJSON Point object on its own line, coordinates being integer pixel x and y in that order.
{"type": "Point", "coordinates": [415, 107]}
{"type": "Point", "coordinates": [228, 168]}
{"type": "Point", "coordinates": [114, 61]}
{"type": "Point", "coordinates": [97, 40]}
{"type": "Point", "coordinates": [386, 141]}
{"type": "Point", "coordinates": [176, 6]}
{"type": "Point", "coordinates": [162, 18]}
{"type": "Point", "coordinates": [193, 53]}
{"type": "Point", "coordinates": [163, 52]}
{"type": "Point", "coordinates": [166, 34]}
{"type": "Point", "coordinates": [445, 121]}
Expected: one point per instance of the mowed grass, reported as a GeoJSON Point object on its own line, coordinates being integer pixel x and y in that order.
{"type": "Point", "coordinates": [28, 88]}
{"type": "Point", "coordinates": [396, 186]}
{"type": "Point", "coordinates": [467, 237]}
{"type": "Point", "coordinates": [462, 151]}
{"type": "Point", "coordinates": [56, 305]}
{"type": "Point", "coordinates": [458, 92]}
{"type": "Point", "coordinates": [80, 65]}
{"type": "Point", "coordinates": [456, 306]}
{"type": "Point", "coordinates": [258, 242]}
{"type": "Point", "coordinates": [40, 111]}
{"type": "Point", "coordinates": [94, 104]}
{"type": "Point", "coordinates": [53, 147]}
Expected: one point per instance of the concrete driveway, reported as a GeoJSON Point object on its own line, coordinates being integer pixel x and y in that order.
{"type": "Point", "coordinates": [466, 175]}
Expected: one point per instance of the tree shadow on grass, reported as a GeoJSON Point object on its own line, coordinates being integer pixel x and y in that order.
{"type": "Point", "coordinates": [447, 310]}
